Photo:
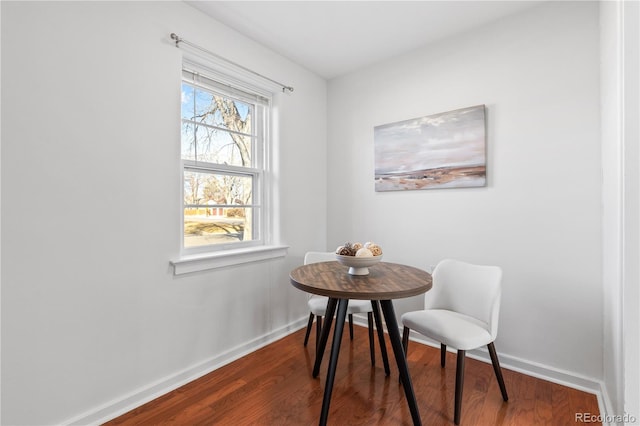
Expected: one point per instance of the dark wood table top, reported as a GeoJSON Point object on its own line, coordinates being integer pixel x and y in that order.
{"type": "Point", "coordinates": [385, 281]}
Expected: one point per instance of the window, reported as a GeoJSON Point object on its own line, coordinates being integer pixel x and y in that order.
{"type": "Point", "coordinates": [223, 145]}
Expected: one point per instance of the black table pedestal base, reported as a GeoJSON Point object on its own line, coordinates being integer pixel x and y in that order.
{"type": "Point", "coordinates": [396, 343]}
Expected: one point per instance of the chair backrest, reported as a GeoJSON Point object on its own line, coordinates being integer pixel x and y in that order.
{"type": "Point", "coordinates": [472, 290]}
{"type": "Point", "coordinates": [319, 256]}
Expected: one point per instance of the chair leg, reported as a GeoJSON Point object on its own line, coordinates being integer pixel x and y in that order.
{"type": "Point", "coordinates": [351, 326]}
{"type": "Point", "coordinates": [372, 345]}
{"type": "Point", "coordinates": [497, 370]}
{"type": "Point", "coordinates": [405, 340]}
{"type": "Point", "coordinates": [443, 354]}
{"type": "Point", "coordinates": [306, 336]}
{"type": "Point", "coordinates": [375, 306]}
{"type": "Point", "coordinates": [318, 331]}
{"type": "Point", "coordinates": [459, 384]}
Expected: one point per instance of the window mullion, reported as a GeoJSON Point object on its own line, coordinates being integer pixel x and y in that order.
{"type": "Point", "coordinates": [223, 168]}
{"type": "Point", "coordinates": [222, 129]}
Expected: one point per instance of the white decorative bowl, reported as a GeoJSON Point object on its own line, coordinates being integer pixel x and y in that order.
{"type": "Point", "coordinates": [358, 265]}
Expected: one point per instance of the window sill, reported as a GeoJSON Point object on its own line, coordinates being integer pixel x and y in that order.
{"type": "Point", "coordinates": [203, 262]}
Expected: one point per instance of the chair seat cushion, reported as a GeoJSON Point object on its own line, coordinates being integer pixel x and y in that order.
{"type": "Point", "coordinates": [450, 328]}
{"type": "Point", "coordinates": [318, 306]}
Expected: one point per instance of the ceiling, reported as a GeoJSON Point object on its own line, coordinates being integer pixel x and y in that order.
{"type": "Point", "coordinates": [332, 38]}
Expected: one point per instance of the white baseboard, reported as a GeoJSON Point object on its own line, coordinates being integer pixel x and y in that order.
{"type": "Point", "coordinates": [138, 397]}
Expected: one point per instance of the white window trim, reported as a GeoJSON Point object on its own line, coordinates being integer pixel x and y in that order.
{"type": "Point", "coordinates": [196, 262]}
{"type": "Point", "coordinates": [202, 262]}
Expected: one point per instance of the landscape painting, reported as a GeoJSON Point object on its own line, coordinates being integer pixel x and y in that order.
{"type": "Point", "coordinates": [445, 150]}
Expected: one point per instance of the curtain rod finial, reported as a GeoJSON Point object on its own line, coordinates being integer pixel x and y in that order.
{"type": "Point", "coordinates": [175, 37]}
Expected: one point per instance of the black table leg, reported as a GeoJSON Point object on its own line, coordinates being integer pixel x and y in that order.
{"type": "Point", "coordinates": [333, 362]}
{"type": "Point", "coordinates": [324, 336]}
{"type": "Point", "coordinates": [383, 346]}
{"type": "Point", "coordinates": [396, 343]}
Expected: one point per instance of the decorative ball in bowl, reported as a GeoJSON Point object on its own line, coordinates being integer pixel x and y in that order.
{"type": "Point", "coordinates": [359, 257]}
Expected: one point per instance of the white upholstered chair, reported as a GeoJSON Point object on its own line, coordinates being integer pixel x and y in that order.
{"type": "Point", "coordinates": [461, 311]}
{"type": "Point", "coordinates": [318, 306]}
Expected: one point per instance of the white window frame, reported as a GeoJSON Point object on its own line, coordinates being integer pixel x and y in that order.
{"type": "Point", "coordinates": [263, 246]}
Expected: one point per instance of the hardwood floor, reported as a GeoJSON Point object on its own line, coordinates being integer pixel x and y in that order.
{"type": "Point", "coordinates": [273, 386]}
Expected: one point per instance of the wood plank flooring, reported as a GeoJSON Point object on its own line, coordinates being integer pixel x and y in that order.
{"type": "Point", "coordinates": [273, 386]}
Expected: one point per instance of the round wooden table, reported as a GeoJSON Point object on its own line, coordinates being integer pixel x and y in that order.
{"type": "Point", "coordinates": [385, 282]}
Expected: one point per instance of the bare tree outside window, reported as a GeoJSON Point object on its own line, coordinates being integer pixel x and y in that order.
{"type": "Point", "coordinates": [218, 144]}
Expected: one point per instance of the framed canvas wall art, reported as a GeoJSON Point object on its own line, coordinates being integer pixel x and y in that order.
{"type": "Point", "coordinates": [445, 150]}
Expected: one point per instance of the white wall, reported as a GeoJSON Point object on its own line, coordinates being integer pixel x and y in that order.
{"type": "Point", "coordinates": [539, 218]}
{"type": "Point", "coordinates": [92, 316]}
